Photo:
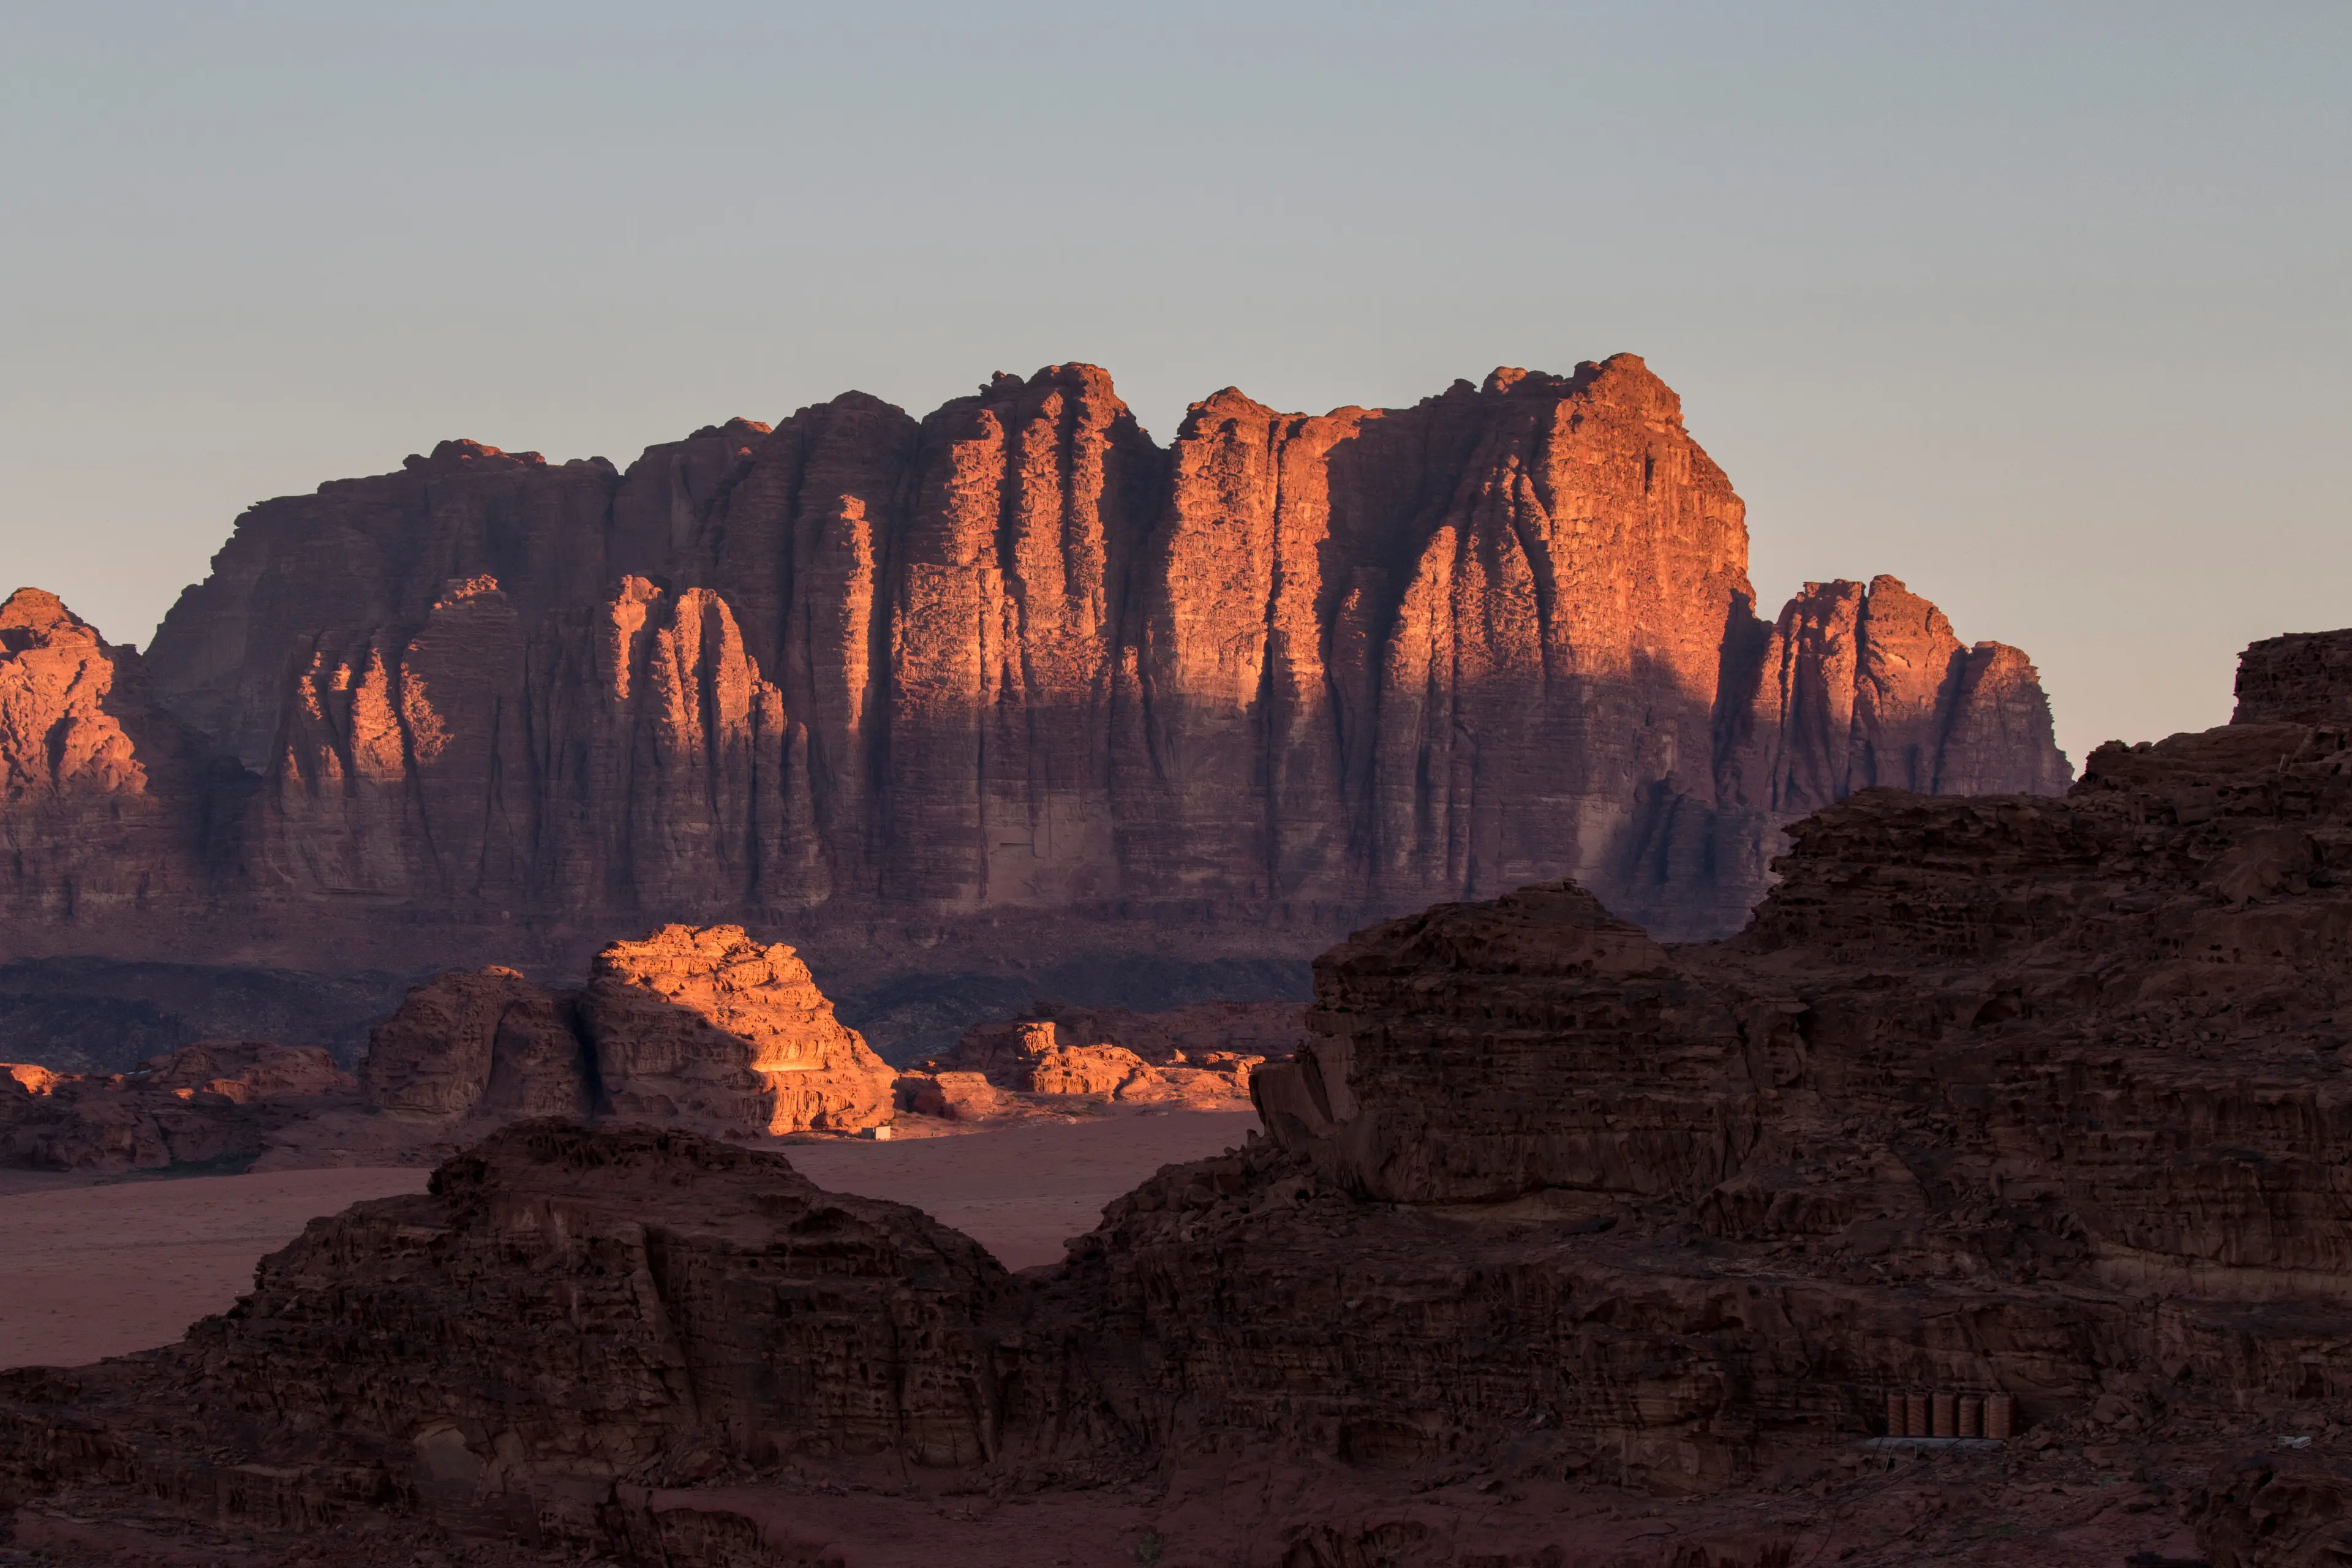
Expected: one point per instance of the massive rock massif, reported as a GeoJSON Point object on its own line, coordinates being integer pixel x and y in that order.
{"type": "Point", "coordinates": [1012, 669]}
{"type": "Point", "coordinates": [1565, 1247]}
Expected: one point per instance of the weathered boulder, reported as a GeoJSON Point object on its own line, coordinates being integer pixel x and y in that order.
{"type": "Point", "coordinates": [1110, 1070]}
{"type": "Point", "coordinates": [952, 1096]}
{"type": "Point", "coordinates": [1175, 1035]}
{"type": "Point", "coordinates": [1082, 1052]}
{"type": "Point", "coordinates": [1034, 1056]}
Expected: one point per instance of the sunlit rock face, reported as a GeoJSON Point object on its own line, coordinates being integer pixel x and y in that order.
{"type": "Point", "coordinates": [1016, 662]}
{"type": "Point", "coordinates": [701, 1028]}
{"type": "Point", "coordinates": [103, 801]}
{"type": "Point", "coordinates": [711, 1028]}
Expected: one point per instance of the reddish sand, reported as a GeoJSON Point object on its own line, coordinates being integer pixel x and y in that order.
{"type": "Point", "coordinates": [91, 1271]}
{"type": "Point", "coordinates": [95, 1271]}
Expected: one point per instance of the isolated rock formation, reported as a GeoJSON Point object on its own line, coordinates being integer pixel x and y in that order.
{"type": "Point", "coordinates": [709, 1027]}
{"type": "Point", "coordinates": [488, 1042]}
{"type": "Point", "coordinates": [212, 1104]}
{"type": "Point", "coordinates": [1187, 1034]}
{"type": "Point", "coordinates": [1012, 674]}
{"type": "Point", "coordinates": [952, 1095]}
{"type": "Point", "coordinates": [699, 1028]}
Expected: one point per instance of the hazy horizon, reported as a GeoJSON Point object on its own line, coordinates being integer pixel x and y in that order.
{"type": "Point", "coordinates": [2047, 311]}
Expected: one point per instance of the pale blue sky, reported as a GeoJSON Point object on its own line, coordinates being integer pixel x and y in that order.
{"type": "Point", "coordinates": [2044, 307]}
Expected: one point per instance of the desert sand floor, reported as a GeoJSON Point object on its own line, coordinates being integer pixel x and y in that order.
{"type": "Point", "coordinates": [1021, 1191]}
{"type": "Point", "coordinates": [95, 1271]}
{"type": "Point", "coordinates": [89, 1271]}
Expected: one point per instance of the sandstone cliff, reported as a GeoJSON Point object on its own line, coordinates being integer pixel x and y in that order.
{"type": "Point", "coordinates": [862, 674]}
{"type": "Point", "coordinates": [104, 803]}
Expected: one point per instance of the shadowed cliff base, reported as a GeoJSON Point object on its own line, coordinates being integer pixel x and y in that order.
{"type": "Point", "coordinates": [1010, 684]}
{"type": "Point", "coordinates": [99, 1015]}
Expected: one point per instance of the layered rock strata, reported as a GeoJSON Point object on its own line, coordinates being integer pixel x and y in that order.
{"type": "Point", "coordinates": [2302, 678]}
{"type": "Point", "coordinates": [641, 1255]}
{"type": "Point", "coordinates": [1010, 664]}
{"type": "Point", "coordinates": [1998, 1096]}
{"type": "Point", "coordinates": [701, 1027]}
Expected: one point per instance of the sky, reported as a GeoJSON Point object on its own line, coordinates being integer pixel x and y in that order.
{"type": "Point", "coordinates": [2046, 308]}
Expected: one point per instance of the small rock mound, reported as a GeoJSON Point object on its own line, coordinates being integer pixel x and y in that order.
{"type": "Point", "coordinates": [1200, 1055]}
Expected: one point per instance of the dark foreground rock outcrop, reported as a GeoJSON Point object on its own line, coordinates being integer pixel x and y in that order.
{"type": "Point", "coordinates": [1565, 1246]}
{"type": "Point", "coordinates": [1008, 684]}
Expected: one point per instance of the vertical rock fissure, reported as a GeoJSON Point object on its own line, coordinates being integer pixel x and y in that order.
{"type": "Point", "coordinates": [1271, 722]}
